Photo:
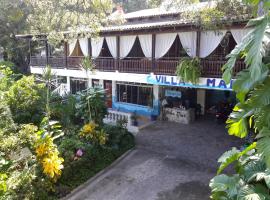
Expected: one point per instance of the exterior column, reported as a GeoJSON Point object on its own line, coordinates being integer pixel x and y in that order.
{"type": "Point", "coordinates": [156, 110]}
{"type": "Point", "coordinates": [68, 84]}
{"type": "Point", "coordinates": [101, 83]}
{"type": "Point", "coordinates": [117, 65]}
{"type": "Point", "coordinates": [89, 83]}
{"type": "Point", "coordinates": [114, 92]}
{"type": "Point", "coordinates": [198, 43]}
{"type": "Point", "coordinates": [153, 52]}
{"type": "Point", "coordinates": [201, 99]}
{"type": "Point", "coordinates": [47, 52]}
{"type": "Point", "coordinates": [30, 53]}
{"type": "Point", "coordinates": [66, 53]}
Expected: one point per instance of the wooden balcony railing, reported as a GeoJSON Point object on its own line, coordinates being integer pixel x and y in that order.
{"type": "Point", "coordinates": [74, 62]}
{"type": "Point", "coordinates": [139, 66]}
{"type": "Point", "coordinates": [167, 67]}
{"type": "Point", "coordinates": [38, 61]}
{"type": "Point", "coordinates": [210, 68]}
{"type": "Point", "coordinates": [213, 68]}
{"type": "Point", "coordinates": [105, 64]}
{"type": "Point", "coordinates": [56, 62]}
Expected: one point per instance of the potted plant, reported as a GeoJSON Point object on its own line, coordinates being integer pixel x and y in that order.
{"type": "Point", "coordinates": [134, 119]}
{"type": "Point", "coordinates": [188, 70]}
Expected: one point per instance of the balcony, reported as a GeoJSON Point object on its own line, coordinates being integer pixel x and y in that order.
{"type": "Point", "coordinates": [210, 68]}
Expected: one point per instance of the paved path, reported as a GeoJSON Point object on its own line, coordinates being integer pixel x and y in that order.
{"type": "Point", "coordinates": [171, 162]}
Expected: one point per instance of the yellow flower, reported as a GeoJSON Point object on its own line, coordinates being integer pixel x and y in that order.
{"type": "Point", "coordinates": [44, 146]}
{"type": "Point", "coordinates": [102, 137]}
{"type": "Point", "coordinates": [41, 150]}
{"type": "Point", "coordinates": [53, 165]}
{"type": "Point", "coordinates": [102, 140]}
{"type": "Point", "coordinates": [88, 129]}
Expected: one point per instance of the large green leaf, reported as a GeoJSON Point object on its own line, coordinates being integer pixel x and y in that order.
{"type": "Point", "coordinates": [250, 192]}
{"type": "Point", "coordinates": [254, 46]}
{"type": "Point", "coordinates": [254, 170]}
{"type": "Point", "coordinates": [244, 83]}
{"type": "Point", "coordinates": [233, 155]}
{"type": "Point", "coordinates": [237, 123]}
{"type": "Point", "coordinates": [264, 132]}
{"type": "Point", "coordinates": [260, 96]}
{"type": "Point", "coordinates": [227, 158]}
{"type": "Point", "coordinates": [228, 184]}
{"type": "Point", "coordinates": [257, 48]}
{"type": "Point", "coordinates": [263, 147]}
{"type": "Point", "coordinates": [262, 117]}
{"type": "Point", "coordinates": [237, 128]}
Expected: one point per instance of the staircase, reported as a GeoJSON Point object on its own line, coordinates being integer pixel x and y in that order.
{"type": "Point", "coordinates": [61, 89]}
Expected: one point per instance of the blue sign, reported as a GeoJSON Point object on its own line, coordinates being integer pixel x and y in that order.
{"type": "Point", "coordinates": [207, 83]}
{"type": "Point", "coordinates": [173, 93]}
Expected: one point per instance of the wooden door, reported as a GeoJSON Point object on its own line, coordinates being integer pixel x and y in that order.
{"type": "Point", "coordinates": [108, 88]}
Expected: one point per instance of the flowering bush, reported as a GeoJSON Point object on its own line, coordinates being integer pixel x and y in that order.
{"type": "Point", "coordinates": [52, 165]}
{"type": "Point", "coordinates": [48, 155]}
{"type": "Point", "coordinates": [90, 132]}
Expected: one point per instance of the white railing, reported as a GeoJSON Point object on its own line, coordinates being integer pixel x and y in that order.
{"type": "Point", "coordinates": [114, 116]}
{"type": "Point", "coordinates": [61, 89]}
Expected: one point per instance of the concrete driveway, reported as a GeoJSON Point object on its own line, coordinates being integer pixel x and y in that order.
{"type": "Point", "coordinates": [171, 162]}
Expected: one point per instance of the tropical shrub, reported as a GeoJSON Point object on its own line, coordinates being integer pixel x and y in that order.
{"type": "Point", "coordinates": [95, 157]}
{"type": "Point", "coordinates": [41, 162]}
{"type": "Point", "coordinates": [119, 138]}
{"type": "Point", "coordinates": [7, 77]}
{"type": "Point", "coordinates": [26, 100]}
{"type": "Point", "coordinates": [251, 180]}
{"type": "Point", "coordinates": [46, 150]}
{"type": "Point", "coordinates": [63, 110]}
{"type": "Point", "coordinates": [90, 105]}
{"type": "Point", "coordinates": [188, 70]}
{"type": "Point", "coordinates": [18, 166]}
{"type": "Point", "coordinates": [93, 133]}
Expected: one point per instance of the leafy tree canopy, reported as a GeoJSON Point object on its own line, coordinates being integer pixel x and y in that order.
{"type": "Point", "coordinates": [13, 21]}
{"type": "Point", "coordinates": [75, 16]}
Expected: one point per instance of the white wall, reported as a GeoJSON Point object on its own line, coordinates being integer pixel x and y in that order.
{"type": "Point", "coordinates": [204, 83]}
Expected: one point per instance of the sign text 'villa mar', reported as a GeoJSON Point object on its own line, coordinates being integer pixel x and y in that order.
{"type": "Point", "coordinates": [206, 83]}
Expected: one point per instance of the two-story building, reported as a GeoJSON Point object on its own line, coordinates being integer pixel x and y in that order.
{"type": "Point", "coordinates": [136, 61]}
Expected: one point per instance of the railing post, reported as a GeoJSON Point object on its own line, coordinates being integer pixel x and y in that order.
{"type": "Point", "coordinates": [89, 48]}
{"type": "Point", "coordinates": [198, 46]}
{"type": "Point", "coordinates": [30, 52]}
{"type": "Point", "coordinates": [198, 43]}
{"type": "Point", "coordinates": [117, 52]}
{"type": "Point", "coordinates": [47, 51]}
{"type": "Point", "coordinates": [66, 53]}
{"type": "Point", "coordinates": [153, 59]}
